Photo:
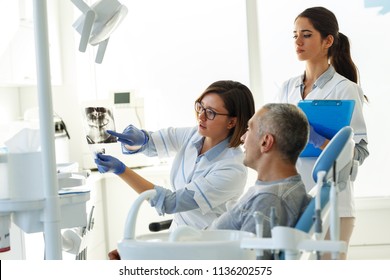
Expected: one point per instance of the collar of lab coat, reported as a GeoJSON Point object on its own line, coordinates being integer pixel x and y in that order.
{"type": "Point", "coordinates": [321, 81]}
{"type": "Point", "coordinates": [214, 151]}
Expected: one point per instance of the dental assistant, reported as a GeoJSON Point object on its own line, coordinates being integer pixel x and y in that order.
{"type": "Point", "coordinates": [329, 74]}
{"type": "Point", "coordinates": [208, 170]}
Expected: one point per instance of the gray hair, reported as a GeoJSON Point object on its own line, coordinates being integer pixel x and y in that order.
{"type": "Point", "coordinates": [289, 126]}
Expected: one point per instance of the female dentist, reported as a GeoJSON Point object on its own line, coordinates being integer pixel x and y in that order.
{"type": "Point", "coordinates": [329, 74]}
{"type": "Point", "coordinates": [208, 170]}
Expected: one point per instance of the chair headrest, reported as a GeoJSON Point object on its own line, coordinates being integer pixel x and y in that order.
{"type": "Point", "coordinates": [339, 147]}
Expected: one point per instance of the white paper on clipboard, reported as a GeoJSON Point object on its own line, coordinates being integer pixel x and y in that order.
{"type": "Point", "coordinates": [327, 117]}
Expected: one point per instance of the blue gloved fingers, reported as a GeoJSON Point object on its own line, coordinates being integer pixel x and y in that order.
{"type": "Point", "coordinates": [106, 163]}
{"type": "Point", "coordinates": [316, 139]}
{"type": "Point", "coordinates": [131, 136]}
{"type": "Point", "coordinates": [102, 166]}
{"type": "Point", "coordinates": [102, 163]}
{"type": "Point", "coordinates": [126, 142]}
{"type": "Point", "coordinates": [123, 138]}
{"type": "Point", "coordinates": [102, 169]}
{"type": "Point", "coordinates": [104, 158]}
{"type": "Point", "coordinates": [114, 133]}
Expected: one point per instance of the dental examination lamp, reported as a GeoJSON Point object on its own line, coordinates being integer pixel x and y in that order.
{"type": "Point", "coordinates": [97, 23]}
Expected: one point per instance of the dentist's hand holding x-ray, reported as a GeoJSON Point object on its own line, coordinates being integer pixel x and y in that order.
{"type": "Point", "coordinates": [131, 136]}
{"type": "Point", "coordinates": [106, 163]}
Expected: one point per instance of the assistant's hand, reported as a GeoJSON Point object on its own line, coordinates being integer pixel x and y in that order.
{"type": "Point", "coordinates": [131, 136]}
{"type": "Point", "coordinates": [106, 163]}
{"type": "Point", "coordinates": [316, 139]}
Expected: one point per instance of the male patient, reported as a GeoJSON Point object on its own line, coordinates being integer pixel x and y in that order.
{"type": "Point", "coordinates": [276, 135]}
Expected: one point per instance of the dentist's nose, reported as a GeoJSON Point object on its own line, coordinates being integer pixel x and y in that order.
{"type": "Point", "coordinates": [202, 115]}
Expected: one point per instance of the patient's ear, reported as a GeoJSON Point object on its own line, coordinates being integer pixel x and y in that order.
{"type": "Point", "coordinates": [267, 141]}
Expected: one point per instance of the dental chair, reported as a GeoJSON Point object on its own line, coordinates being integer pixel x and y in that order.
{"type": "Point", "coordinates": [333, 168]}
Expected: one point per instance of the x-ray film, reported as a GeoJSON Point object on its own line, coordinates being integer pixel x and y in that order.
{"type": "Point", "coordinates": [97, 121]}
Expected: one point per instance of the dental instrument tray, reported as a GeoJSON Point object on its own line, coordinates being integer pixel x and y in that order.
{"type": "Point", "coordinates": [327, 117]}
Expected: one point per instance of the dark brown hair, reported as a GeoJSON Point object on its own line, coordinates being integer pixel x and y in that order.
{"type": "Point", "coordinates": [325, 22]}
{"type": "Point", "coordinates": [239, 102]}
{"type": "Point", "coordinates": [339, 54]}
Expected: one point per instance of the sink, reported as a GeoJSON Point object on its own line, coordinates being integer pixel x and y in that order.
{"type": "Point", "coordinates": [205, 245]}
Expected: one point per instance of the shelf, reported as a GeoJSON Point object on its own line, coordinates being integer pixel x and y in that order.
{"type": "Point", "coordinates": [28, 215]}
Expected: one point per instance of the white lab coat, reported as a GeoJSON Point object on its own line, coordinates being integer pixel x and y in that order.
{"type": "Point", "coordinates": [329, 85]}
{"type": "Point", "coordinates": [216, 177]}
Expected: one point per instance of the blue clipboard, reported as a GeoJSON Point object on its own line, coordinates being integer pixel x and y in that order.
{"type": "Point", "coordinates": [327, 117]}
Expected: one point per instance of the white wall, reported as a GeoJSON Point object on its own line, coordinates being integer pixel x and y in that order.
{"type": "Point", "coordinates": [9, 111]}
{"type": "Point", "coordinates": [170, 51]}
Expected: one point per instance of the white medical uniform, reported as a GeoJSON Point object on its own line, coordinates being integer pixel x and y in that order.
{"type": "Point", "coordinates": [214, 178]}
{"type": "Point", "coordinates": [330, 85]}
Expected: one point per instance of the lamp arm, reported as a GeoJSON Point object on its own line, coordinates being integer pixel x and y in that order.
{"type": "Point", "coordinates": [81, 5]}
{"type": "Point", "coordinates": [87, 29]}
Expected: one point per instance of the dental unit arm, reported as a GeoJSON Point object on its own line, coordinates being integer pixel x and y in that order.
{"type": "Point", "coordinates": [333, 168]}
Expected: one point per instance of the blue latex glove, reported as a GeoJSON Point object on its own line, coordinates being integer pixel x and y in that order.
{"type": "Point", "coordinates": [131, 136]}
{"type": "Point", "coordinates": [106, 163]}
{"type": "Point", "coordinates": [316, 139]}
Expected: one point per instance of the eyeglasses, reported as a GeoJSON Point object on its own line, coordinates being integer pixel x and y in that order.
{"type": "Point", "coordinates": [210, 114]}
